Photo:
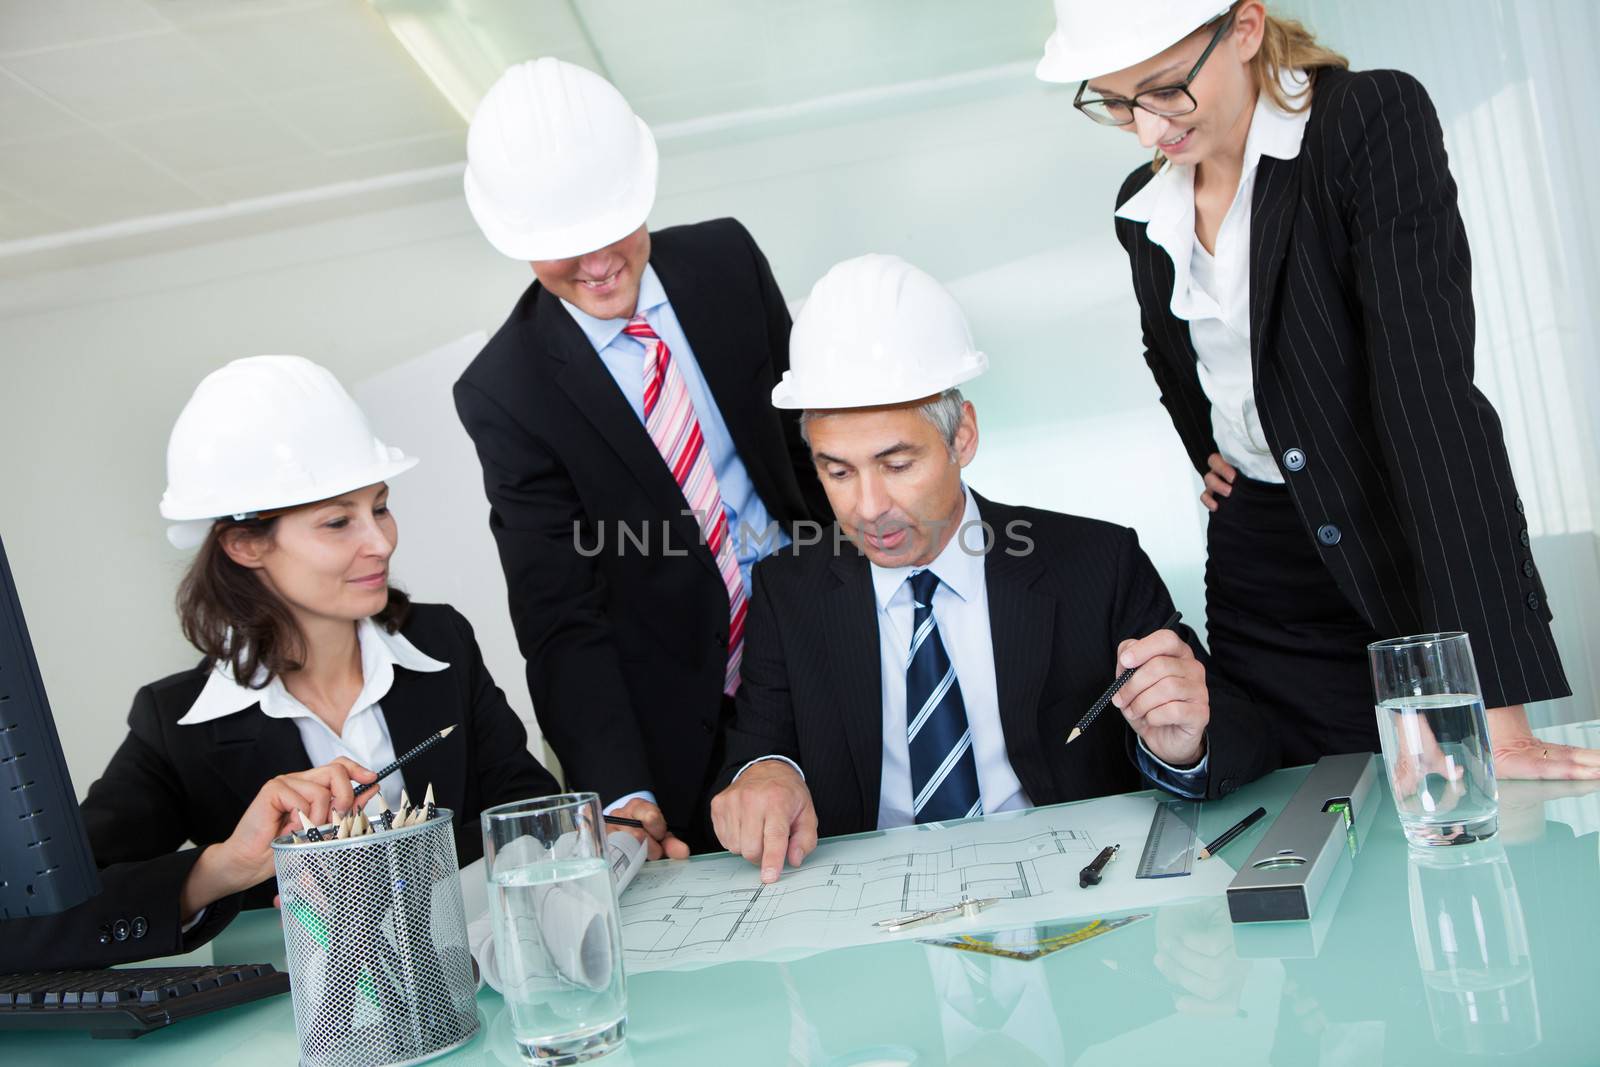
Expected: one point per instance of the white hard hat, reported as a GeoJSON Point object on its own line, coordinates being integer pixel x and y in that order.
{"type": "Point", "coordinates": [263, 433]}
{"type": "Point", "coordinates": [558, 164]}
{"type": "Point", "coordinates": [876, 330]}
{"type": "Point", "coordinates": [1091, 40]}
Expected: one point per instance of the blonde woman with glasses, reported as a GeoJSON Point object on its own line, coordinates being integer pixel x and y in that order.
{"type": "Point", "coordinates": [1304, 283]}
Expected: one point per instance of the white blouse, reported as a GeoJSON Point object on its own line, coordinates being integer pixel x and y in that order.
{"type": "Point", "coordinates": [1212, 292]}
{"type": "Point", "coordinates": [365, 737]}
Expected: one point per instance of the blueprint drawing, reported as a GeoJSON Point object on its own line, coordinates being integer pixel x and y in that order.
{"type": "Point", "coordinates": [715, 910]}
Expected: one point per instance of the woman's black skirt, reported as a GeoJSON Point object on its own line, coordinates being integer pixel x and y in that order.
{"type": "Point", "coordinates": [1280, 628]}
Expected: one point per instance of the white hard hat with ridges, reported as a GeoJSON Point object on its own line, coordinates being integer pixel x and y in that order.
{"type": "Point", "coordinates": [1092, 38]}
{"type": "Point", "coordinates": [876, 330]}
{"type": "Point", "coordinates": [558, 164]}
{"type": "Point", "coordinates": [267, 432]}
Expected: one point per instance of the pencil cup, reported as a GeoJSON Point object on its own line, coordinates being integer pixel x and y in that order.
{"type": "Point", "coordinates": [379, 964]}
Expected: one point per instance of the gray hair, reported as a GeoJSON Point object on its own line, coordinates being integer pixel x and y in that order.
{"type": "Point", "coordinates": [944, 411]}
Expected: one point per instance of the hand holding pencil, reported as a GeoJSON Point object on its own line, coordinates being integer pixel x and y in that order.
{"type": "Point", "coordinates": [1165, 701]}
{"type": "Point", "coordinates": [1161, 692]}
{"type": "Point", "coordinates": [646, 823]}
{"type": "Point", "coordinates": [244, 859]}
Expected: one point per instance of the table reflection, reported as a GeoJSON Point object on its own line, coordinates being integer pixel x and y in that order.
{"type": "Point", "coordinates": [1472, 945]}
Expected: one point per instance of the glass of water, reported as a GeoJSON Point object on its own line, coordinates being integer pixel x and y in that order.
{"type": "Point", "coordinates": [557, 937]}
{"type": "Point", "coordinates": [1435, 738]}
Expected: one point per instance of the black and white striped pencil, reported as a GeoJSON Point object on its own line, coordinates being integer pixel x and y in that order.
{"type": "Point", "coordinates": [1105, 698]}
{"type": "Point", "coordinates": [407, 758]}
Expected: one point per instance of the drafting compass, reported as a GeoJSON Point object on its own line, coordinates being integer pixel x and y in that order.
{"type": "Point", "coordinates": [965, 908]}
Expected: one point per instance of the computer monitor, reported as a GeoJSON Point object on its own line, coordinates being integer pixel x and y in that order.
{"type": "Point", "coordinates": [46, 865]}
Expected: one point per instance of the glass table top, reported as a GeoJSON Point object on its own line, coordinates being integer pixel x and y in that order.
{"type": "Point", "coordinates": [1491, 949]}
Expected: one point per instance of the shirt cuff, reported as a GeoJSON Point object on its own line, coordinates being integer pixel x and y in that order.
{"type": "Point", "coordinates": [199, 917]}
{"type": "Point", "coordinates": [624, 801]}
{"type": "Point", "coordinates": [1189, 784]}
{"type": "Point", "coordinates": [760, 759]}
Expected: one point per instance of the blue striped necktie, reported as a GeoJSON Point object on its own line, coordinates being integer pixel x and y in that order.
{"type": "Point", "coordinates": [944, 772]}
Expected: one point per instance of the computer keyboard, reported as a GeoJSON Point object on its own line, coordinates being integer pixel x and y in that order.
{"type": "Point", "coordinates": [128, 1002]}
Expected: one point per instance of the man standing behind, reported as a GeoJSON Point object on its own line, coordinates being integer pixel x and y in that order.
{"type": "Point", "coordinates": [634, 468]}
{"type": "Point", "coordinates": [931, 667]}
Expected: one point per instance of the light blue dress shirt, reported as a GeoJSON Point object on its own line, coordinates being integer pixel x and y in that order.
{"type": "Point", "coordinates": [961, 612]}
{"type": "Point", "coordinates": [623, 356]}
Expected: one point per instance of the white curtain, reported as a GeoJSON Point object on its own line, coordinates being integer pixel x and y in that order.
{"type": "Point", "coordinates": [1515, 84]}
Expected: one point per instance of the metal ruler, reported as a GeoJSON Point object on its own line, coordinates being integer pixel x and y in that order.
{"type": "Point", "coordinates": [1169, 848]}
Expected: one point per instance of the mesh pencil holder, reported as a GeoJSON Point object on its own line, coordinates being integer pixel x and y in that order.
{"type": "Point", "coordinates": [379, 964]}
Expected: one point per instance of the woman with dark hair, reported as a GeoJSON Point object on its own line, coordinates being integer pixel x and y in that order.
{"type": "Point", "coordinates": [316, 671]}
{"type": "Point", "coordinates": [1304, 286]}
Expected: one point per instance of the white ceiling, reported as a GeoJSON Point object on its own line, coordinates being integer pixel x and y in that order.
{"type": "Point", "coordinates": [118, 109]}
{"type": "Point", "coordinates": [130, 123]}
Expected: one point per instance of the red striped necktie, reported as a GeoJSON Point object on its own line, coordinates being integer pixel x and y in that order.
{"type": "Point", "coordinates": [670, 420]}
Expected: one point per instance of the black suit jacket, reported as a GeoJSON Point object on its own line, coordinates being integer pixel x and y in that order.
{"type": "Point", "coordinates": [1063, 593]}
{"type": "Point", "coordinates": [169, 784]}
{"type": "Point", "coordinates": [626, 649]}
{"type": "Point", "coordinates": [1361, 343]}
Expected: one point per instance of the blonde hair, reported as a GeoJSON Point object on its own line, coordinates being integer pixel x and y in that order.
{"type": "Point", "coordinates": [1286, 44]}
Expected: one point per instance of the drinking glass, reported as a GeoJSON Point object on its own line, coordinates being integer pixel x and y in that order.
{"type": "Point", "coordinates": [1435, 738]}
{"type": "Point", "coordinates": [557, 936]}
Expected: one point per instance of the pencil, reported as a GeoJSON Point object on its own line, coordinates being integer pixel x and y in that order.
{"type": "Point", "coordinates": [1232, 832]}
{"type": "Point", "coordinates": [1105, 698]}
{"type": "Point", "coordinates": [432, 740]}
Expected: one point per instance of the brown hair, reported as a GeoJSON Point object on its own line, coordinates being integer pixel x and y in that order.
{"type": "Point", "coordinates": [230, 615]}
{"type": "Point", "coordinates": [1286, 44]}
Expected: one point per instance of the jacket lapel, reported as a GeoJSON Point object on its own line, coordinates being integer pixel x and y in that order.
{"type": "Point", "coordinates": [850, 619]}
{"type": "Point", "coordinates": [1271, 220]}
{"type": "Point", "coordinates": [1155, 275]}
{"type": "Point", "coordinates": [248, 748]}
{"type": "Point", "coordinates": [1021, 628]}
{"type": "Point", "coordinates": [411, 709]}
{"type": "Point", "coordinates": [585, 379]}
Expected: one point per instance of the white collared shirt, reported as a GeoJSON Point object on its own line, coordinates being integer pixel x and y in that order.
{"type": "Point", "coordinates": [365, 738]}
{"type": "Point", "coordinates": [961, 614]}
{"type": "Point", "coordinates": [1212, 292]}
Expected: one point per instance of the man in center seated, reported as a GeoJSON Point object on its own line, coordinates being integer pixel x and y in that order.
{"type": "Point", "coordinates": [927, 659]}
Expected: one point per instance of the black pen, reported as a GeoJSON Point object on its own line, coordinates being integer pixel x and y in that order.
{"type": "Point", "coordinates": [635, 823]}
{"type": "Point", "coordinates": [1090, 875]}
{"type": "Point", "coordinates": [1105, 698]}
{"type": "Point", "coordinates": [1232, 832]}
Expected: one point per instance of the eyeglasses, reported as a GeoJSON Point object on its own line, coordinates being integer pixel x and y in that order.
{"type": "Point", "coordinates": [1167, 101]}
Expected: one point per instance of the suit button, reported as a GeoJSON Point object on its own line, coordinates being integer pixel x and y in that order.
{"type": "Point", "coordinates": [140, 927]}
{"type": "Point", "coordinates": [1228, 785]}
{"type": "Point", "coordinates": [1527, 567]}
{"type": "Point", "coordinates": [1294, 460]}
{"type": "Point", "coordinates": [1520, 509]}
{"type": "Point", "coordinates": [1329, 534]}
{"type": "Point", "coordinates": [1523, 537]}
{"type": "Point", "coordinates": [105, 935]}
{"type": "Point", "coordinates": [1533, 601]}
{"type": "Point", "coordinates": [722, 640]}
{"type": "Point", "coordinates": [120, 929]}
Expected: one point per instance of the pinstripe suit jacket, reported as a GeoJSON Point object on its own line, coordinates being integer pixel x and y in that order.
{"type": "Point", "coordinates": [1361, 344]}
{"type": "Point", "coordinates": [1063, 593]}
